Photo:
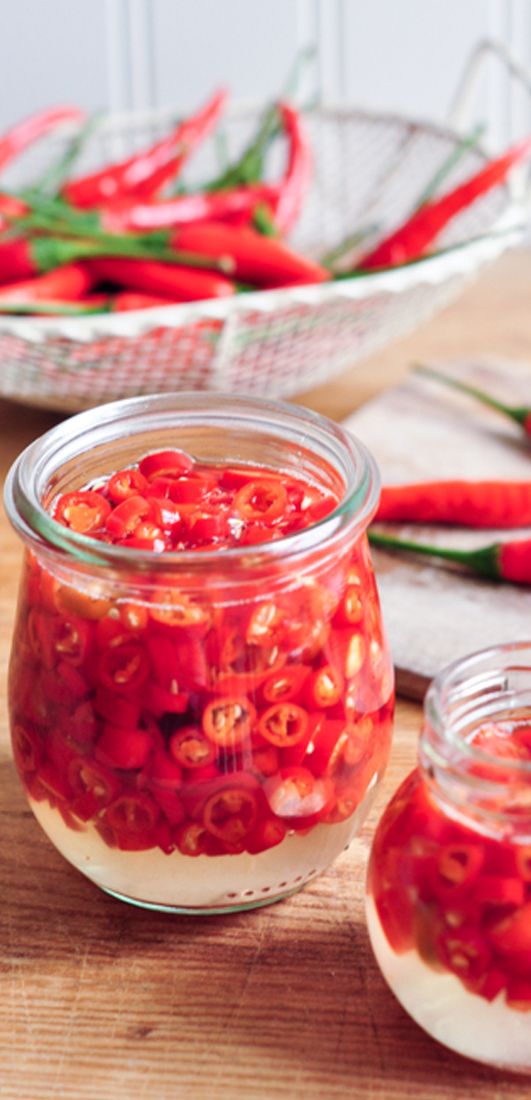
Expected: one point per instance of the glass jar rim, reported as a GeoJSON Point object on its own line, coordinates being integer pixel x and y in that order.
{"type": "Point", "coordinates": [469, 679]}
{"type": "Point", "coordinates": [32, 468]}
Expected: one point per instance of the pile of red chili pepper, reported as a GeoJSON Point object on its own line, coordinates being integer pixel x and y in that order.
{"type": "Point", "coordinates": [131, 235]}
{"type": "Point", "coordinates": [477, 504]}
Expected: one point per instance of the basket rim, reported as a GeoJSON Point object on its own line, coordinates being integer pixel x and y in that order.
{"type": "Point", "coordinates": [462, 258]}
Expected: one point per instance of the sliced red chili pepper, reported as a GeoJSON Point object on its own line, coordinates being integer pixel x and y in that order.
{"type": "Point", "coordinates": [170, 803]}
{"type": "Point", "coordinates": [285, 685]}
{"type": "Point", "coordinates": [133, 616]}
{"type": "Point", "coordinates": [265, 760]}
{"type": "Point", "coordinates": [465, 952]}
{"type": "Point", "coordinates": [264, 500]}
{"type": "Point", "coordinates": [54, 781]}
{"type": "Point", "coordinates": [512, 934]}
{"type": "Point", "coordinates": [124, 748]}
{"type": "Point", "coordinates": [191, 749]}
{"type": "Point", "coordinates": [27, 748]}
{"type": "Point", "coordinates": [230, 814]}
{"type": "Point", "coordinates": [164, 771]}
{"type": "Point", "coordinates": [92, 782]}
{"type": "Point", "coordinates": [124, 668]}
{"type": "Point", "coordinates": [133, 817]}
{"type": "Point", "coordinates": [117, 708]}
{"type": "Point", "coordinates": [64, 685]}
{"type": "Point", "coordinates": [228, 722]}
{"type": "Point", "coordinates": [455, 870]}
{"type": "Point", "coordinates": [84, 723]}
{"type": "Point", "coordinates": [126, 483]}
{"type": "Point", "coordinates": [165, 464]}
{"type": "Point", "coordinates": [296, 795]}
{"type": "Point", "coordinates": [266, 625]}
{"type": "Point", "coordinates": [499, 890]}
{"type": "Point", "coordinates": [84, 511]}
{"type": "Point", "coordinates": [193, 839]}
{"type": "Point", "coordinates": [266, 833]}
{"type": "Point", "coordinates": [191, 489]}
{"type": "Point", "coordinates": [159, 700]}
{"type": "Point", "coordinates": [125, 518]}
{"type": "Point", "coordinates": [174, 609]}
{"type": "Point", "coordinates": [283, 724]}
{"type": "Point", "coordinates": [324, 687]}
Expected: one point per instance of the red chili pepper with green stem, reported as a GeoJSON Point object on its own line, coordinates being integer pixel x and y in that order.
{"type": "Point", "coordinates": [506, 561]}
{"type": "Point", "coordinates": [415, 236]}
{"type": "Point", "coordinates": [25, 133]}
{"type": "Point", "coordinates": [184, 284]}
{"type": "Point", "coordinates": [262, 261]}
{"type": "Point", "coordinates": [143, 175]}
{"type": "Point", "coordinates": [130, 214]}
{"type": "Point", "coordinates": [23, 257]}
{"type": "Point", "coordinates": [463, 503]}
{"type": "Point", "coordinates": [520, 413]}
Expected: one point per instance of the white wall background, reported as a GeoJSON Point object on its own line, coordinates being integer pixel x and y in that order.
{"type": "Point", "coordinates": [399, 55]}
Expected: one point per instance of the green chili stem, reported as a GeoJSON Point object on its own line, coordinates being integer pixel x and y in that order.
{"type": "Point", "coordinates": [518, 414]}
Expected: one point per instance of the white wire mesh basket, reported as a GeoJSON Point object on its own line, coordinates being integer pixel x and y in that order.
{"type": "Point", "coordinates": [368, 169]}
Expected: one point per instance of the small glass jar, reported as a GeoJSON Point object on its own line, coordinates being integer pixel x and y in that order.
{"type": "Point", "coordinates": [193, 648]}
{"type": "Point", "coordinates": [449, 882]}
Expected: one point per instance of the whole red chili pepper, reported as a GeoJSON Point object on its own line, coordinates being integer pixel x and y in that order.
{"type": "Point", "coordinates": [256, 259]}
{"type": "Point", "coordinates": [23, 258]}
{"type": "Point", "coordinates": [411, 239]}
{"type": "Point", "coordinates": [465, 503]}
{"type": "Point", "coordinates": [25, 133]}
{"type": "Point", "coordinates": [520, 413]}
{"type": "Point", "coordinates": [507, 561]}
{"type": "Point", "coordinates": [67, 283]}
{"type": "Point", "coordinates": [296, 180]}
{"type": "Point", "coordinates": [183, 284]}
{"type": "Point", "coordinates": [130, 214]}
{"type": "Point", "coordinates": [144, 174]}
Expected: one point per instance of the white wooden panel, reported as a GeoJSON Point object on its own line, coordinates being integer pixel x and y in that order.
{"type": "Point", "coordinates": [248, 45]}
{"type": "Point", "coordinates": [408, 56]}
{"type": "Point", "coordinates": [50, 53]}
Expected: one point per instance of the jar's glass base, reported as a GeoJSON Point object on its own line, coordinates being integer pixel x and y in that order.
{"type": "Point", "coordinates": [490, 1032]}
{"type": "Point", "coordinates": [175, 883]}
{"type": "Point", "coordinates": [205, 911]}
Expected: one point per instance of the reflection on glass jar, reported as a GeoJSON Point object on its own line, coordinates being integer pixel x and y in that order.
{"type": "Point", "coordinates": [449, 885]}
{"type": "Point", "coordinates": [201, 702]}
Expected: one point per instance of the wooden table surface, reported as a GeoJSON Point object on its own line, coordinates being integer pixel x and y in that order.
{"type": "Point", "coordinates": [100, 1001]}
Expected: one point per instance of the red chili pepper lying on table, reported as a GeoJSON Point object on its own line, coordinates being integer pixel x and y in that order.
{"type": "Point", "coordinates": [264, 261]}
{"type": "Point", "coordinates": [520, 413]}
{"type": "Point", "coordinates": [25, 133]}
{"type": "Point", "coordinates": [463, 503]}
{"type": "Point", "coordinates": [415, 236]}
{"type": "Point", "coordinates": [181, 284]}
{"type": "Point", "coordinates": [146, 173]}
{"type": "Point", "coordinates": [507, 561]}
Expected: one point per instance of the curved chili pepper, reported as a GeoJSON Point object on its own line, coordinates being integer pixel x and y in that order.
{"type": "Point", "coordinates": [128, 300]}
{"type": "Point", "coordinates": [184, 284]}
{"type": "Point", "coordinates": [67, 283]}
{"type": "Point", "coordinates": [144, 174]}
{"type": "Point", "coordinates": [253, 258]}
{"type": "Point", "coordinates": [466, 503]}
{"type": "Point", "coordinates": [520, 413]}
{"type": "Point", "coordinates": [25, 133]}
{"type": "Point", "coordinates": [419, 231]}
{"type": "Point", "coordinates": [130, 214]}
{"type": "Point", "coordinates": [293, 187]}
{"type": "Point", "coordinates": [22, 257]}
{"type": "Point", "coordinates": [504, 561]}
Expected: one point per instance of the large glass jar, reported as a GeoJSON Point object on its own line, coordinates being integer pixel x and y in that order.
{"type": "Point", "coordinates": [188, 651]}
{"type": "Point", "coordinates": [449, 884]}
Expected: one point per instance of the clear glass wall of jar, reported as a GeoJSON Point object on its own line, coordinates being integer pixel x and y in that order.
{"type": "Point", "coordinates": [449, 883]}
{"type": "Point", "coordinates": [260, 820]}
